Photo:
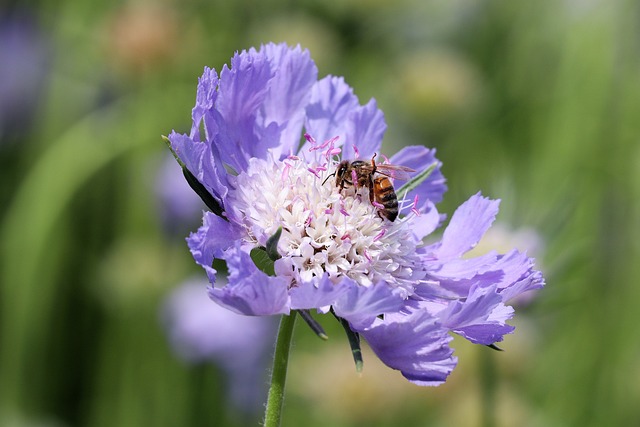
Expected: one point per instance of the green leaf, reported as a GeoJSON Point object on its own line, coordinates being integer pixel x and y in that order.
{"type": "Point", "coordinates": [262, 260]}
{"type": "Point", "coordinates": [417, 180]}
{"type": "Point", "coordinates": [494, 347]}
{"type": "Point", "coordinates": [313, 324]}
{"type": "Point", "coordinates": [354, 342]}
{"type": "Point", "coordinates": [272, 244]}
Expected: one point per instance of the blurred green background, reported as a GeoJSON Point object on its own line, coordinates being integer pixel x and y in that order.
{"type": "Point", "coordinates": [536, 103]}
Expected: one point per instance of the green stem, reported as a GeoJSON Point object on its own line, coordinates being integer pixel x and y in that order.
{"type": "Point", "coordinates": [273, 413]}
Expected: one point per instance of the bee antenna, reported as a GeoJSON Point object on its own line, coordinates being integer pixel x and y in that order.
{"type": "Point", "coordinates": [328, 176]}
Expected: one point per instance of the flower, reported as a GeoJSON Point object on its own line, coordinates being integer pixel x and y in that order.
{"type": "Point", "coordinates": [337, 252]}
{"type": "Point", "coordinates": [199, 331]}
{"type": "Point", "coordinates": [25, 53]}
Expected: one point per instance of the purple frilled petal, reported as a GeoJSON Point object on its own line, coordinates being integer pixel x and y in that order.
{"type": "Point", "coordinates": [512, 274]}
{"type": "Point", "coordinates": [331, 103]}
{"type": "Point", "coordinates": [425, 223]}
{"type": "Point", "coordinates": [242, 91]}
{"type": "Point", "coordinates": [318, 294]}
{"type": "Point", "coordinates": [365, 129]}
{"type": "Point", "coordinates": [360, 305]}
{"type": "Point", "coordinates": [203, 111]}
{"type": "Point", "coordinates": [289, 93]}
{"type": "Point", "coordinates": [420, 158]}
{"type": "Point", "coordinates": [415, 344]}
{"type": "Point", "coordinates": [211, 240]}
{"type": "Point", "coordinates": [200, 161]}
{"type": "Point", "coordinates": [334, 111]}
{"type": "Point", "coordinates": [250, 291]}
{"type": "Point", "coordinates": [480, 318]}
{"type": "Point", "coordinates": [467, 226]}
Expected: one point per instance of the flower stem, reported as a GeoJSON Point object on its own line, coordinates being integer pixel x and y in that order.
{"type": "Point", "coordinates": [273, 413]}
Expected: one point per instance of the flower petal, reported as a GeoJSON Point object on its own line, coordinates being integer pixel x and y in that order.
{"type": "Point", "coordinates": [317, 295]}
{"type": "Point", "coordinates": [211, 240]}
{"type": "Point", "coordinates": [467, 226]}
{"type": "Point", "coordinates": [250, 291]}
{"type": "Point", "coordinates": [332, 100]}
{"type": "Point", "coordinates": [360, 305]}
{"type": "Point", "coordinates": [414, 344]}
{"type": "Point", "coordinates": [365, 129]}
{"type": "Point", "coordinates": [295, 73]}
{"type": "Point", "coordinates": [198, 158]}
{"type": "Point", "coordinates": [480, 318]}
{"type": "Point", "coordinates": [242, 91]}
{"type": "Point", "coordinates": [206, 96]}
{"type": "Point", "coordinates": [420, 158]}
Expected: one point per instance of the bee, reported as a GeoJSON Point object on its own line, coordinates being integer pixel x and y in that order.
{"type": "Point", "coordinates": [381, 191]}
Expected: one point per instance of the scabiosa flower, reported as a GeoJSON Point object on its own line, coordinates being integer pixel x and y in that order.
{"type": "Point", "coordinates": [266, 139]}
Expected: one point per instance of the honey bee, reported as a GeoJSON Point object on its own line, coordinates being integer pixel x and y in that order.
{"type": "Point", "coordinates": [381, 191]}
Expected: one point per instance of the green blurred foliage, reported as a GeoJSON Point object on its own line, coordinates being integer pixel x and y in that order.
{"type": "Point", "coordinates": [536, 103]}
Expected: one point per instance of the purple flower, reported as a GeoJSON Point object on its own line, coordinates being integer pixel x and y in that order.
{"type": "Point", "coordinates": [200, 331]}
{"type": "Point", "coordinates": [24, 57]}
{"type": "Point", "coordinates": [337, 250]}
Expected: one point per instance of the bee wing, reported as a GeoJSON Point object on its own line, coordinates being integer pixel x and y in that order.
{"type": "Point", "coordinates": [394, 171]}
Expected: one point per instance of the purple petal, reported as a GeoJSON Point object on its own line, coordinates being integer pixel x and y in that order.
{"type": "Point", "coordinates": [360, 305]}
{"type": "Point", "coordinates": [420, 158]}
{"type": "Point", "coordinates": [200, 161]}
{"type": "Point", "coordinates": [327, 113]}
{"type": "Point", "coordinates": [242, 91]}
{"type": "Point", "coordinates": [424, 224]}
{"type": "Point", "coordinates": [365, 129]}
{"type": "Point", "coordinates": [316, 295]}
{"type": "Point", "coordinates": [465, 268]}
{"type": "Point", "coordinates": [415, 344]}
{"type": "Point", "coordinates": [467, 226]}
{"type": "Point", "coordinates": [289, 93]}
{"type": "Point", "coordinates": [250, 291]}
{"type": "Point", "coordinates": [206, 96]}
{"type": "Point", "coordinates": [210, 241]}
{"type": "Point", "coordinates": [534, 280]}
{"type": "Point", "coordinates": [480, 318]}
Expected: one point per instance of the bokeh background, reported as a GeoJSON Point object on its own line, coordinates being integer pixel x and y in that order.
{"type": "Point", "coordinates": [536, 103]}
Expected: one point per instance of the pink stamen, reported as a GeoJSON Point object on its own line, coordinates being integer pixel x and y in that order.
{"type": "Point", "coordinates": [314, 171]}
{"type": "Point", "coordinates": [377, 205]}
{"type": "Point", "coordinates": [332, 152]}
{"type": "Point", "coordinates": [414, 207]}
{"type": "Point", "coordinates": [309, 138]}
{"type": "Point", "coordinates": [345, 236]}
{"type": "Point", "coordinates": [285, 171]}
{"type": "Point", "coordinates": [329, 142]}
{"type": "Point", "coordinates": [328, 211]}
{"type": "Point", "coordinates": [354, 177]}
{"type": "Point", "coordinates": [379, 235]}
{"type": "Point", "coordinates": [356, 153]}
{"type": "Point", "coordinates": [308, 220]}
{"type": "Point", "coordinates": [366, 255]}
{"type": "Point", "coordinates": [386, 159]}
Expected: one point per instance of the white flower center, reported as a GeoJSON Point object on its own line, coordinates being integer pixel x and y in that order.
{"type": "Point", "coordinates": [324, 229]}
